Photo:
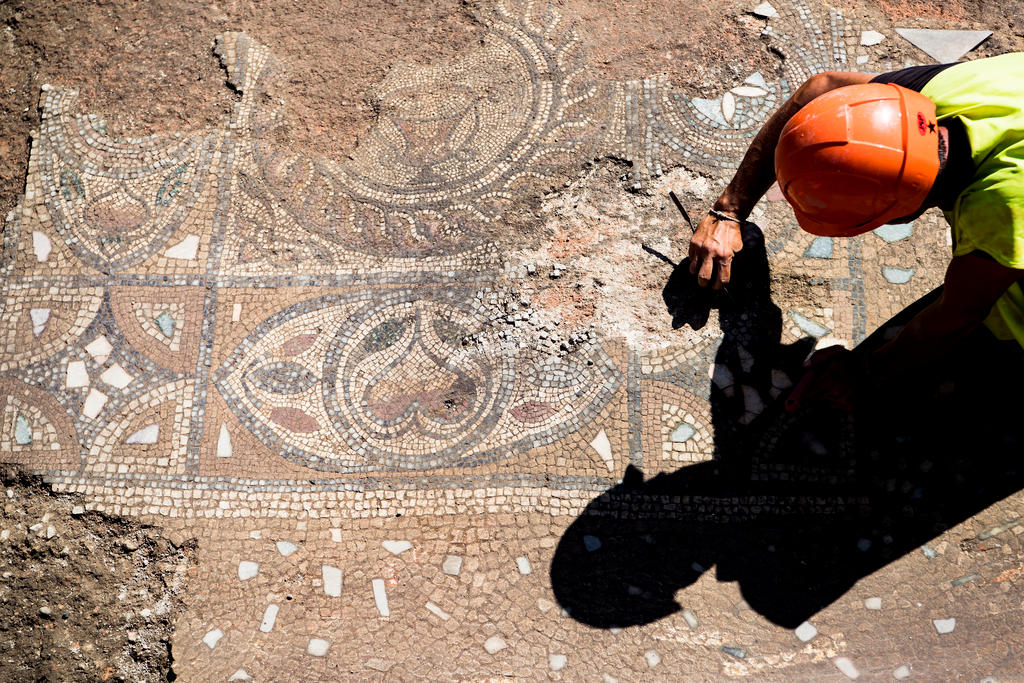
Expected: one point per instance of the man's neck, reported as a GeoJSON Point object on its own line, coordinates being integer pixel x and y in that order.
{"type": "Point", "coordinates": [958, 169]}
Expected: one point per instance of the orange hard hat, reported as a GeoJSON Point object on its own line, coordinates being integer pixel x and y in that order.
{"type": "Point", "coordinates": [858, 157]}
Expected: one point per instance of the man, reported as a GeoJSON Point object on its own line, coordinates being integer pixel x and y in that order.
{"type": "Point", "coordinates": [854, 151]}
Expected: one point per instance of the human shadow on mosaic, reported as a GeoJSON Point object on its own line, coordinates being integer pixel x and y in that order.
{"type": "Point", "coordinates": [795, 507]}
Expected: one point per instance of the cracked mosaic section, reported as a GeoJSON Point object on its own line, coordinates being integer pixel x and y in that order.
{"type": "Point", "coordinates": [212, 313]}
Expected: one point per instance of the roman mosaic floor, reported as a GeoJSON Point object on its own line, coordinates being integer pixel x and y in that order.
{"type": "Point", "coordinates": [331, 374]}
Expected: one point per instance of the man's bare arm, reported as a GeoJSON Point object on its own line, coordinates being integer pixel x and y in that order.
{"type": "Point", "coordinates": [974, 282]}
{"type": "Point", "coordinates": [715, 241]}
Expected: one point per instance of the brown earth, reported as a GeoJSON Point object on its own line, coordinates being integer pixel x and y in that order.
{"type": "Point", "coordinates": [83, 596]}
{"type": "Point", "coordinates": [148, 67]}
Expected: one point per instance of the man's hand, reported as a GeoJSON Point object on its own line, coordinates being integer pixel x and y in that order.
{"type": "Point", "coordinates": [832, 375]}
{"type": "Point", "coordinates": [714, 243]}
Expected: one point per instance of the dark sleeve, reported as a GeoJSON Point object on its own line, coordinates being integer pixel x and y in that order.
{"type": "Point", "coordinates": [913, 77]}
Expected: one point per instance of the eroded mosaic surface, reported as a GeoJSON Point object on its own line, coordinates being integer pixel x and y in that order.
{"type": "Point", "coordinates": [211, 311]}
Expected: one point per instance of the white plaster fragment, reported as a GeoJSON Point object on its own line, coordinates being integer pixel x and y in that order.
{"type": "Point", "coordinates": [236, 313]}
{"type": "Point", "coordinates": [523, 564]}
{"type": "Point", "coordinates": [440, 613]}
{"type": "Point", "coordinates": [653, 658]}
{"type": "Point", "coordinates": [213, 637]}
{"type": "Point", "coordinates": [318, 647]}
{"type": "Point", "coordinates": [495, 644]}
{"type": "Point", "coordinates": [185, 249]}
{"type": "Point", "coordinates": [94, 403]}
{"type": "Point", "coordinates": [944, 625]}
{"type": "Point", "coordinates": [869, 38]}
{"type": "Point", "coordinates": [557, 662]}
{"type": "Point", "coordinates": [380, 597]}
{"type": "Point", "coordinates": [40, 318]}
{"type": "Point", "coordinates": [806, 632]}
{"type": "Point", "coordinates": [452, 565]}
{"type": "Point", "coordinates": [603, 446]}
{"type": "Point", "coordinates": [765, 10]}
{"type": "Point", "coordinates": [336, 535]}
{"type": "Point", "coordinates": [396, 547]}
{"type": "Point", "coordinates": [944, 45]}
{"type": "Point", "coordinates": [240, 675]}
{"type": "Point", "coordinates": [728, 106]}
{"type": "Point", "coordinates": [332, 580]}
{"type": "Point", "coordinates": [224, 442]}
{"type": "Point", "coordinates": [269, 618]}
{"type": "Point", "coordinates": [41, 246]}
{"type": "Point", "coordinates": [286, 548]}
{"type": "Point", "coordinates": [149, 434]}
{"type": "Point", "coordinates": [901, 673]}
{"type": "Point", "coordinates": [748, 91]}
{"type": "Point", "coordinates": [116, 376]}
{"type": "Point", "coordinates": [99, 348]}
{"type": "Point", "coordinates": [873, 603]}
{"type": "Point", "coordinates": [846, 667]}
{"type": "Point", "coordinates": [77, 375]}
{"type": "Point", "coordinates": [248, 569]}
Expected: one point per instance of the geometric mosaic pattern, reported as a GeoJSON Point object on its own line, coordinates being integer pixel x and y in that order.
{"type": "Point", "coordinates": [142, 356]}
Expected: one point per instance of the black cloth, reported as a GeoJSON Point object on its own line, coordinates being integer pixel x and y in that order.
{"type": "Point", "coordinates": [913, 77]}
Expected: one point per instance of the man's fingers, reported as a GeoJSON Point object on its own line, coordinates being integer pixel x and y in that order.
{"type": "Point", "coordinates": [724, 273]}
{"type": "Point", "coordinates": [707, 267]}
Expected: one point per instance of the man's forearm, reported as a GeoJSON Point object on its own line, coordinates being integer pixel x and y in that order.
{"type": "Point", "coordinates": [756, 172]}
{"type": "Point", "coordinates": [929, 335]}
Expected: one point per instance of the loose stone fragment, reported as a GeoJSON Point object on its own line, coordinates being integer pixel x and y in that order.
{"type": "Point", "coordinates": [873, 603]}
{"type": "Point", "coordinates": [523, 565]}
{"type": "Point", "coordinates": [736, 652]}
{"type": "Point", "coordinates": [690, 618]}
{"type": "Point", "coordinates": [944, 625]}
{"type": "Point", "coordinates": [996, 530]}
{"type": "Point", "coordinates": [318, 647]}
{"type": "Point", "coordinates": [653, 658]}
{"type": "Point", "coordinates": [901, 673]}
{"type": "Point", "coordinates": [557, 662]}
{"type": "Point", "coordinates": [963, 579]}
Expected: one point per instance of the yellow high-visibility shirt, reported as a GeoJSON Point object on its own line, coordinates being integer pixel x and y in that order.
{"type": "Point", "coordinates": [987, 96]}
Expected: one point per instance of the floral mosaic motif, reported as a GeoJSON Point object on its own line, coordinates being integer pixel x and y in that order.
{"type": "Point", "coordinates": [394, 381]}
{"type": "Point", "coordinates": [399, 374]}
{"type": "Point", "coordinates": [115, 208]}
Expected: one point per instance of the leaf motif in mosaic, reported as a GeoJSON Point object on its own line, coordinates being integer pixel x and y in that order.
{"type": "Point", "coordinates": [394, 395]}
{"type": "Point", "coordinates": [72, 310]}
{"type": "Point", "coordinates": [51, 445]}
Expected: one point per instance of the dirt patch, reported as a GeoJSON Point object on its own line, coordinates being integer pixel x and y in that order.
{"type": "Point", "coordinates": [696, 47]}
{"type": "Point", "coordinates": [592, 272]}
{"type": "Point", "coordinates": [148, 67]}
{"type": "Point", "coordinates": [83, 596]}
